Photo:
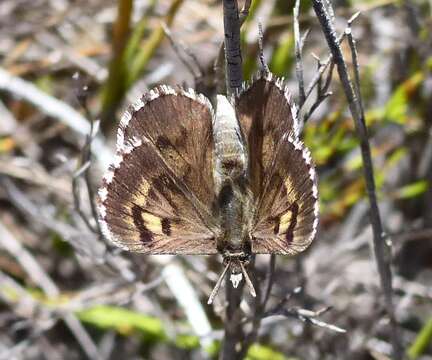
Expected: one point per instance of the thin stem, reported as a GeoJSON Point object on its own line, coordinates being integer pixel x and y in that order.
{"type": "Point", "coordinates": [270, 280]}
{"type": "Point", "coordinates": [298, 54]}
{"type": "Point", "coordinates": [233, 57]}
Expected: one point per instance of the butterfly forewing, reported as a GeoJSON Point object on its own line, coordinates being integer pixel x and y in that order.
{"type": "Point", "coordinates": [282, 174]}
{"type": "Point", "coordinates": [156, 197]}
{"type": "Point", "coordinates": [265, 115]}
{"type": "Point", "coordinates": [179, 124]}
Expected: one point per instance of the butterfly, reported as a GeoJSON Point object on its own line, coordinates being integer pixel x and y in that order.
{"type": "Point", "coordinates": [236, 181]}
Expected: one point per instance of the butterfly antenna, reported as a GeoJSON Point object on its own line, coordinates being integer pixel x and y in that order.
{"type": "Point", "coordinates": [248, 281]}
{"type": "Point", "coordinates": [218, 284]}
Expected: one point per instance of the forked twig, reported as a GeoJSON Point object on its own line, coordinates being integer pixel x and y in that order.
{"type": "Point", "coordinates": [85, 161]}
{"type": "Point", "coordinates": [322, 90]}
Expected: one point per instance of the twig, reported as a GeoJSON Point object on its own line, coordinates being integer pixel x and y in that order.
{"type": "Point", "coordinates": [218, 67]}
{"type": "Point", "coordinates": [77, 197]}
{"type": "Point", "coordinates": [233, 329]}
{"type": "Point", "coordinates": [270, 280]}
{"type": "Point", "coordinates": [317, 81]}
{"type": "Point", "coordinates": [264, 65]}
{"type": "Point", "coordinates": [245, 11]}
{"type": "Point", "coordinates": [233, 57]}
{"type": "Point", "coordinates": [322, 90]}
{"type": "Point", "coordinates": [85, 163]}
{"type": "Point", "coordinates": [298, 54]}
{"type": "Point", "coordinates": [304, 315]}
{"type": "Point", "coordinates": [308, 316]}
{"type": "Point", "coordinates": [381, 249]}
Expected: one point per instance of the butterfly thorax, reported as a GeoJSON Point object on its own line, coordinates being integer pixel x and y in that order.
{"type": "Point", "coordinates": [233, 194]}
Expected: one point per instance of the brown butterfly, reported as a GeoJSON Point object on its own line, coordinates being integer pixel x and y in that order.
{"type": "Point", "coordinates": [186, 180]}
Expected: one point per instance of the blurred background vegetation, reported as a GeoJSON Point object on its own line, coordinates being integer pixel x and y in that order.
{"type": "Point", "coordinates": [63, 298]}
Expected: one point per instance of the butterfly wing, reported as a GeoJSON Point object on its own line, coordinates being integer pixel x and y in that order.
{"type": "Point", "coordinates": [283, 177]}
{"type": "Point", "coordinates": [156, 197]}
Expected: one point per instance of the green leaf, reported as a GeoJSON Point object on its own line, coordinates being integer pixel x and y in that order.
{"type": "Point", "coordinates": [397, 107]}
{"type": "Point", "coordinates": [421, 342]}
{"type": "Point", "coordinates": [123, 320]}
{"type": "Point", "coordinates": [283, 56]}
{"type": "Point", "coordinates": [412, 190]}
{"type": "Point", "coordinates": [397, 156]}
{"type": "Point", "coordinates": [127, 322]}
{"type": "Point", "coordinates": [260, 352]}
{"type": "Point", "coordinates": [187, 342]}
{"type": "Point", "coordinates": [46, 84]}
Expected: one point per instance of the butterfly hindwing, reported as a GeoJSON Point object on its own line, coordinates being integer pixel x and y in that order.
{"type": "Point", "coordinates": [282, 174]}
{"type": "Point", "coordinates": [150, 201]}
{"type": "Point", "coordinates": [287, 210]}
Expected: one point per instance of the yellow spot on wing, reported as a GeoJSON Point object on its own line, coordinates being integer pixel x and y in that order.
{"type": "Point", "coordinates": [289, 185]}
{"type": "Point", "coordinates": [140, 198]}
{"type": "Point", "coordinates": [152, 222]}
{"type": "Point", "coordinates": [285, 221]}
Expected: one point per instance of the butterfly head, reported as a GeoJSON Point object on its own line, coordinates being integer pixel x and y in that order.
{"type": "Point", "coordinates": [237, 264]}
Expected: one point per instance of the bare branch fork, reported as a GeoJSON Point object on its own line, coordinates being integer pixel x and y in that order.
{"type": "Point", "coordinates": [319, 81]}
{"type": "Point", "coordinates": [85, 162]}
{"type": "Point", "coordinates": [352, 93]}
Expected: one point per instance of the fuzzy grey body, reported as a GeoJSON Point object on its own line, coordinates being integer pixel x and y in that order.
{"type": "Point", "coordinates": [231, 176]}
